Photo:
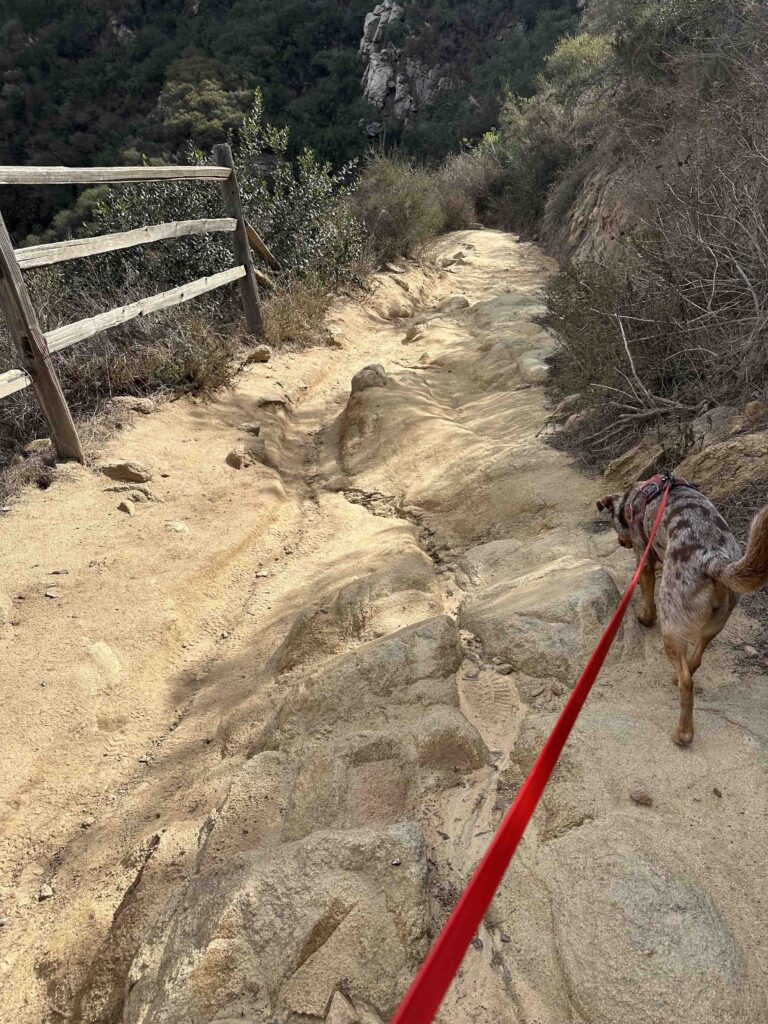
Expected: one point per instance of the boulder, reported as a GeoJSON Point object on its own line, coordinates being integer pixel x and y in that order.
{"type": "Point", "coordinates": [414, 332]}
{"type": "Point", "coordinates": [723, 469]}
{"type": "Point", "coordinates": [532, 368]}
{"type": "Point", "coordinates": [282, 930]}
{"type": "Point", "coordinates": [255, 452]}
{"type": "Point", "coordinates": [636, 464]}
{"type": "Point", "coordinates": [372, 376]}
{"type": "Point", "coordinates": [127, 471]}
{"type": "Point", "coordinates": [40, 446]}
{"type": "Point", "coordinates": [640, 941]}
{"type": "Point", "coordinates": [453, 304]}
{"type": "Point", "coordinates": [260, 354]}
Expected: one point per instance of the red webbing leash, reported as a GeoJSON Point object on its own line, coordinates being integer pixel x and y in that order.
{"type": "Point", "coordinates": [428, 988]}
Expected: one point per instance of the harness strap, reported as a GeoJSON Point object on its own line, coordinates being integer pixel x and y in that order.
{"type": "Point", "coordinates": [649, 491]}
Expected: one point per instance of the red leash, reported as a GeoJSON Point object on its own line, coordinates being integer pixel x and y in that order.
{"type": "Point", "coordinates": [428, 988]}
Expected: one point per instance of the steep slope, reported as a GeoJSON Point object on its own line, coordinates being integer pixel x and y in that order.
{"type": "Point", "coordinates": [286, 708]}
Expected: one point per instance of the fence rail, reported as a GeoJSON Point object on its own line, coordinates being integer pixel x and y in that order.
{"type": "Point", "coordinates": [35, 347]}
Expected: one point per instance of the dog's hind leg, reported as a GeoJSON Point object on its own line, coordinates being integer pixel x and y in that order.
{"type": "Point", "coordinates": [694, 662]}
{"type": "Point", "coordinates": [677, 652]}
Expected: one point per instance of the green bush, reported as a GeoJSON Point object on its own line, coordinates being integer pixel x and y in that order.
{"type": "Point", "coordinates": [399, 205]}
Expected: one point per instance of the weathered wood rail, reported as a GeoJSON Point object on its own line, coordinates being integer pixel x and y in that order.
{"type": "Point", "coordinates": [35, 347]}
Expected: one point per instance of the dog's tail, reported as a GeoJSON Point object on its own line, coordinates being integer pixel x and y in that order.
{"type": "Point", "coordinates": [751, 571]}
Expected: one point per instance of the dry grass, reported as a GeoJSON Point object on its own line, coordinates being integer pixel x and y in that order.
{"type": "Point", "coordinates": [294, 315]}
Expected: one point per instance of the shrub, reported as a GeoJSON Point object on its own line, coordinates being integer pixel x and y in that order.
{"type": "Point", "coordinates": [465, 182]}
{"type": "Point", "coordinates": [399, 205]}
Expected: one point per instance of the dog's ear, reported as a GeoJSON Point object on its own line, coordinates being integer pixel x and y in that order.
{"type": "Point", "coordinates": [608, 502]}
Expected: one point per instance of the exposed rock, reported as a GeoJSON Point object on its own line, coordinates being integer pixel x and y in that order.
{"type": "Point", "coordinates": [40, 446]}
{"type": "Point", "coordinates": [640, 795]}
{"type": "Point", "coordinates": [532, 368]}
{"type": "Point", "coordinates": [714, 425]}
{"type": "Point", "coordinates": [725, 468]}
{"type": "Point", "coordinates": [125, 470]}
{"type": "Point", "coordinates": [544, 624]}
{"type": "Point", "coordinates": [125, 506]}
{"type": "Point", "coordinates": [373, 376]}
{"type": "Point", "coordinates": [130, 403]}
{"type": "Point", "coordinates": [299, 918]}
{"type": "Point", "coordinates": [636, 464]}
{"type": "Point", "coordinates": [616, 908]}
{"type": "Point", "coordinates": [135, 492]}
{"type": "Point", "coordinates": [453, 304]}
{"type": "Point", "coordinates": [255, 452]}
{"type": "Point", "coordinates": [414, 332]}
{"type": "Point", "coordinates": [397, 83]}
{"type": "Point", "coordinates": [260, 354]}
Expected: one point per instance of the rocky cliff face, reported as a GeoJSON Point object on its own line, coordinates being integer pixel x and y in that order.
{"type": "Point", "coordinates": [397, 84]}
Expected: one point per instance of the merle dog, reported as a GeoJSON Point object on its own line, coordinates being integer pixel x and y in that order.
{"type": "Point", "coordinates": [703, 571]}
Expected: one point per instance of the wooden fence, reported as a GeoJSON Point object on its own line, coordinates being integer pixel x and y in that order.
{"type": "Point", "coordinates": [35, 347]}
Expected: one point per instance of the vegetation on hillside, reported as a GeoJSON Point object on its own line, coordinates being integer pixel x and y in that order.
{"type": "Point", "coordinates": [106, 82]}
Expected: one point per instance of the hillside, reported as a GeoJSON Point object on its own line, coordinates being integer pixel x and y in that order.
{"type": "Point", "coordinates": [107, 83]}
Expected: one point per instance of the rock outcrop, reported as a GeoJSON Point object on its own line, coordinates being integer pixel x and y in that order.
{"type": "Point", "coordinates": [397, 84]}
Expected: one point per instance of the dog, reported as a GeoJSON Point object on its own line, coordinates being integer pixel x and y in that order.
{"type": "Point", "coordinates": [703, 571]}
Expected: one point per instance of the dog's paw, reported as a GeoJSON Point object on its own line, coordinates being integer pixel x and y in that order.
{"type": "Point", "coordinates": [646, 620]}
{"type": "Point", "coordinates": [682, 737]}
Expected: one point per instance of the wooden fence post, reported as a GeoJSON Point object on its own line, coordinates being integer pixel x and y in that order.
{"type": "Point", "coordinates": [33, 351]}
{"type": "Point", "coordinates": [249, 290]}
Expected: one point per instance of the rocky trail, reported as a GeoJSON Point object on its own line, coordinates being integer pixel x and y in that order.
{"type": "Point", "coordinates": [260, 723]}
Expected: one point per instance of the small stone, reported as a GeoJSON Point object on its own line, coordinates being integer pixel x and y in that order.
{"type": "Point", "coordinates": [504, 670]}
{"type": "Point", "coordinates": [125, 506]}
{"type": "Point", "coordinates": [477, 942]}
{"type": "Point", "coordinates": [251, 428]}
{"type": "Point", "coordinates": [53, 593]}
{"type": "Point", "coordinates": [261, 354]}
{"type": "Point", "coordinates": [505, 937]}
{"type": "Point", "coordinates": [413, 333]}
{"type": "Point", "coordinates": [640, 795]}
{"type": "Point", "coordinates": [88, 822]}
{"type": "Point", "coordinates": [5, 508]}
{"type": "Point", "coordinates": [396, 863]}
{"type": "Point", "coordinates": [750, 650]}
{"type": "Point", "coordinates": [130, 472]}
{"type": "Point", "coordinates": [177, 526]}
{"type": "Point", "coordinates": [262, 574]}
{"type": "Point", "coordinates": [46, 892]}
{"type": "Point", "coordinates": [4, 921]}
{"type": "Point", "coordinates": [143, 759]}
{"type": "Point", "coordinates": [472, 673]}
{"type": "Point", "coordinates": [244, 456]}
{"type": "Point", "coordinates": [717, 792]}
{"type": "Point", "coordinates": [288, 551]}
{"type": "Point", "coordinates": [372, 376]}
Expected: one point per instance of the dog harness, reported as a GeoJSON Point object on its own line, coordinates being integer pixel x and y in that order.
{"type": "Point", "coordinates": [649, 491]}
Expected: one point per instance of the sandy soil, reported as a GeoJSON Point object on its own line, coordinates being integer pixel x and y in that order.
{"type": "Point", "coordinates": [345, 660]}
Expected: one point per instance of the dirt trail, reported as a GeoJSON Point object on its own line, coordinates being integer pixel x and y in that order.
{"type": "Point", "coordinates": [257, 734]}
